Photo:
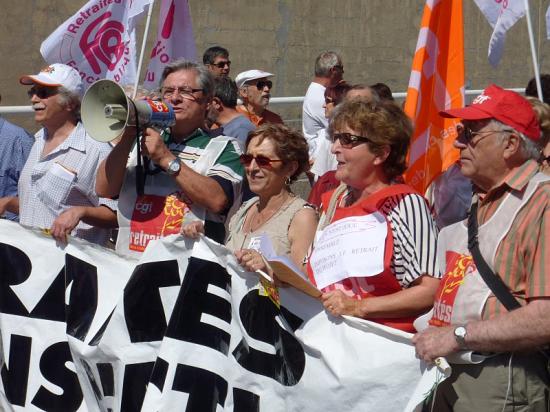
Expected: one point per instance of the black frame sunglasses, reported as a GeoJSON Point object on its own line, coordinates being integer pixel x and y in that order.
{"type": "Point", "coordinates": [262, 83]}
{"type": "Point", "coordinates": [42, 92]}
{"type": "Point", "coordinates": [348, 140]}
{"type": "Point", "coordinates": [221, 65]}
{"type": "Point", "coordinates": [261, 161]}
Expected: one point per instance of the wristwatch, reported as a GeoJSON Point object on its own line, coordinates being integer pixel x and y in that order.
{"type": "Point", "coordinates": [174, 167]}
{"type": "Point", "coordinates": [460, 336]}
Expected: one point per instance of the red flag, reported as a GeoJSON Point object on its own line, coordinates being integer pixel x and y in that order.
{"type": "Point", "coordinates": [436, 83]}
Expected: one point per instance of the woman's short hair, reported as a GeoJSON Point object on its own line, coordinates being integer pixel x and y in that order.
{"type": "Point", "coordinates": [384, 123]}
{"type": "Point", "coordinates": [337, 92]}
{"type": "Point", "coordinates": [290, 145]}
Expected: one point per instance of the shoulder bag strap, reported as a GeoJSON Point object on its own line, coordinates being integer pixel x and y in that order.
{"type": "Point", "coordinates": [495, 283]}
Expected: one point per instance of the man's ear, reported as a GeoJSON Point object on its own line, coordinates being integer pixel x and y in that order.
{"type": "Point", "coordinates": [243, 92]}
{"type": "Point", "coordinates": [513, 144]}
{"type": "Point", "coordinates": [384, 153]}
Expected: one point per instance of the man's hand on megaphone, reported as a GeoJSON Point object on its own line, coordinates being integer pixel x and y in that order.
{"type": "Point", "coordinates": [152, 146]}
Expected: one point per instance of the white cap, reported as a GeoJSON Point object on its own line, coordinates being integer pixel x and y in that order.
{"type": "Point", "coordinates": [248, 75]}
{"type": "Point", "coordinates": [56, 75]}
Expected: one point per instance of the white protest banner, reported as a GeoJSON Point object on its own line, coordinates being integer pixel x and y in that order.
{"type": "Point", "coordinates": [98, 40]}
{"type": "Point", "coordinates": [502, 15]}
{"type": "Point", "coordinates": [548, 23]}
{"type": "Point", "coordinates": [174, 39]}
{"type": "Point", "coordinates": [182, 329]}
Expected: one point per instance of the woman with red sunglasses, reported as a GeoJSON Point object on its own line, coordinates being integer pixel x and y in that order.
{"type": "Point", "coordinates": [374, 255]}
{"type": "Point", "coordinates": [275, 156]}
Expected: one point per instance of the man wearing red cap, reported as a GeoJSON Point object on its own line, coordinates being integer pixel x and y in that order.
{"type": "Point", "coordinates": [497, 356]}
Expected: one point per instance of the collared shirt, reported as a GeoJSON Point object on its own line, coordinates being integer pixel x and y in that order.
{"type": "Point", "coordinates": [15, 145]}
{"type": "Point", "coordinates": [522, 259]}
{"type": "Point", "coordinates": [313, 113]}
{"type": "Point", "coordinates": [64, 178]}
{"type": "Point", "coordinates": [266, 117]}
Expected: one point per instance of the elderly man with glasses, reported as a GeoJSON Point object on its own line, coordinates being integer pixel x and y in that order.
{"type": "Point", "coordinates": [188, 176]}
{"type": "Point", "coordinates": [56, 186]}
{"type": "Point", "coordinates": [216, 58]}
{"type": "Point", "coordinates": [490, 316]}
{"type": "Point", "coordinates": [255, 91]}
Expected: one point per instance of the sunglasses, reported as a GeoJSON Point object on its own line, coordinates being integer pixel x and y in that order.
{"type": "Point", "coordinates": [468, 135]}
{"type": "Point", "coordinates": [261, 161]}
{"type": "Point", "coordinates": [263, 83]}
{"type": "Point", "coordinates": [348, 140]}
{"type": "Point", "coordinates": [221, 65]}
{"type": "Point", "coordinates": [42, 92]}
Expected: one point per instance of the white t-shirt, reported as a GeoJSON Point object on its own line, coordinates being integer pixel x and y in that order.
{"type": "Point", "coordinates": [313, 114]}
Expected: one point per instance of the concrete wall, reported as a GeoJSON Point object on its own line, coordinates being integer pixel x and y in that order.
{"type": "Point", "coordinates": [376, 38]}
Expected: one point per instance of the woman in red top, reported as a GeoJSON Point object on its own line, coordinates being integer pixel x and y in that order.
{"type": "Point", "coordinates": [374, 256]}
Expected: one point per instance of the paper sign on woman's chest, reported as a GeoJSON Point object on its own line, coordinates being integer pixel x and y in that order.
{"type": "Point", "coordinates": [350, 247]}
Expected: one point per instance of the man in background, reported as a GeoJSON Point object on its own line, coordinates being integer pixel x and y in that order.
{"type": "Point", "coordinates": [15, 145]}
{"type": "Point", "coordinates": [216, 59]}
{"type": "Point", "coordinates": [255, 91]}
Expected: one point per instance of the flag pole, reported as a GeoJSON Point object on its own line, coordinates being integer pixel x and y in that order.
{"type": "Point", "coordinates": [143, 43]}
{"type": "Point", "coordinates": [533, 51]}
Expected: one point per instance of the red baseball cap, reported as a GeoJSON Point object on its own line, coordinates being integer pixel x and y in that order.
{"type": "Point", "coordinates": [504, 105]}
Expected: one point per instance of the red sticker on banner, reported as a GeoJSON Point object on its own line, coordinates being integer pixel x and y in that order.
{"type": "Point", "coordinates": [154, 217]}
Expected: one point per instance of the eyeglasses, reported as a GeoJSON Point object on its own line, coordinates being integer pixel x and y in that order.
{"type": "Point", "coordinates": [182, 92]}
{"type": "Point", "coordinates": [222, 64]}
{"type": "Point", "coordinates": [263, 83]}
{"type": "Point", "coordinates": [348, 140]}
{"type": "Point", "coordinates": [468, 135]}
{"type": "Point", "coordinates": [261, 161]}
{"type": "Point", "coordinates": [42, 92]}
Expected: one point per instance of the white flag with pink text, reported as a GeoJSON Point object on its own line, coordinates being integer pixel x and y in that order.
{"type": "Point", "coordinates": [98, 40]}
{"type": "Point", "coordinates": [174, 39]}
{"type": "Point", "coordinates": [502, 15]}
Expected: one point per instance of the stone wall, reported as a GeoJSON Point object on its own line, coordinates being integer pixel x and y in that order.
{"type": "Point", "coordinates": [376, 38]}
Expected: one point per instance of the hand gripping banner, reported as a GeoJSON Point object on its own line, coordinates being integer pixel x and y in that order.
{"type": "Point", "coordinates": [183, 328]}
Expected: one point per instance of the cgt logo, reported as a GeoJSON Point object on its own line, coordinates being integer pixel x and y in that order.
{"type": "Point", "coordinates": [144, 207]}
{"type": "Point", "coordinates": [102, 42]}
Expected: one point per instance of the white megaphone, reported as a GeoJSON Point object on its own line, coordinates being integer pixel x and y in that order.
{"type": "Point", "coordinates": [106, 111]}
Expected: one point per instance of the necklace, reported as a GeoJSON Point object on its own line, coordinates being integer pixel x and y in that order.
{"type": "Point", "coordinates": [258, 218]}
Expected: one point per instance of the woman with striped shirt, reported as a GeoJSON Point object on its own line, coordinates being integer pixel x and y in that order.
{"type": "Point", "coordinates": [374, 254]}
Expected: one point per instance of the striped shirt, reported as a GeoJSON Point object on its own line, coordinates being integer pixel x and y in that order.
{"type": "Point", "coordinates": [522, 258]}
{"type": "Point", "coordinates": [51, 184]}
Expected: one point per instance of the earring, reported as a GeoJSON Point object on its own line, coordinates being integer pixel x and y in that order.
{"type": "Point", "coordinates": [288, 181]}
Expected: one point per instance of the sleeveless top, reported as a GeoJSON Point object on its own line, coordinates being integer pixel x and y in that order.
{"type": "Point", "coordinates": [276, 228]}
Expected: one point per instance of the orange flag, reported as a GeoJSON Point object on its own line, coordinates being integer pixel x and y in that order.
{"type": "Point", "coordinates": [436, 83]}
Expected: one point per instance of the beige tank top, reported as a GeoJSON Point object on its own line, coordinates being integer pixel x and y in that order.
{"type": "Point", "coordinates": [276, 228]}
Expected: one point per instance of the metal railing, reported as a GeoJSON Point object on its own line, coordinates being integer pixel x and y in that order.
{"type": "Point", "coordinates": [273, 101]}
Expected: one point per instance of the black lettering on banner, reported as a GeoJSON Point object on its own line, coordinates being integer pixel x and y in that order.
{"type": "Point", "coordinates": [91, 378]}
{"type": "Point", "coordinates": [206, 389]}
{"type": "Point", "coordinates": [83, 298]}
{"type": "Point", "coordinates": [258, 315]}
{"type": "Point", "coordinates": [15, 268]}
{"type": "Point", "coordinates": [15, 377]}
{"type": "Point", "coordinates": [136, 377]}
{"type": "Point", "coordinates": [52, 366]}
{"type": "Point", "coordinates": [245, 401]}
{"type": "Point", "coordinates": [194, 301]}
{"type": "Point", "coordinates": [158, 377]}
{"type": "Point", "coordinates": [143, 309]}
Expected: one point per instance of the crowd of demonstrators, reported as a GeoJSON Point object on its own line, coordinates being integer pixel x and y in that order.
{"type": "Point", "coordinates": [56, 185]}
{"type": "Point", "coordinates": [328, 71]}
{"type": "Point", "coordinates": [356, 139]}
{"type": "Point", "coordinates": [275, 156]}
{"type": "Point", "coordinates": [190, 175]}
{"type": "Point", "coordinates": [255, 91]}
{"type": "Point", "coordinates": [498, 143]}
{"type": "Point", "coordinates": [370, 142]}
{"type": "Point", "coordinates": [15, 145]}
{"type": "Point", "coordinates": [223, 115]}
{"type": "Point", "coordinates": [216, 59]}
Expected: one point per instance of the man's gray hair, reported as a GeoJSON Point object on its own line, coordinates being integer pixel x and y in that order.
{"type": "Point", "coordinates": [68, 98]}
{"type": "Point", "coordinates": [529, 148]}
{"type": "Point", "coordinates": [205, 78]}
{"type": "Point", "coordinates": [326, 61]}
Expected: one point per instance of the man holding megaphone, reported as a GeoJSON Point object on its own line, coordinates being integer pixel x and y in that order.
{"type": "Point", "coordinates": [188, 175]}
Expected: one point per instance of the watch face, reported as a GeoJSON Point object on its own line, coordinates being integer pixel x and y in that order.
{"type": "Point", "coordinates": [460, 332]}
{"type": "Point", "coordinates": [174, 166]}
